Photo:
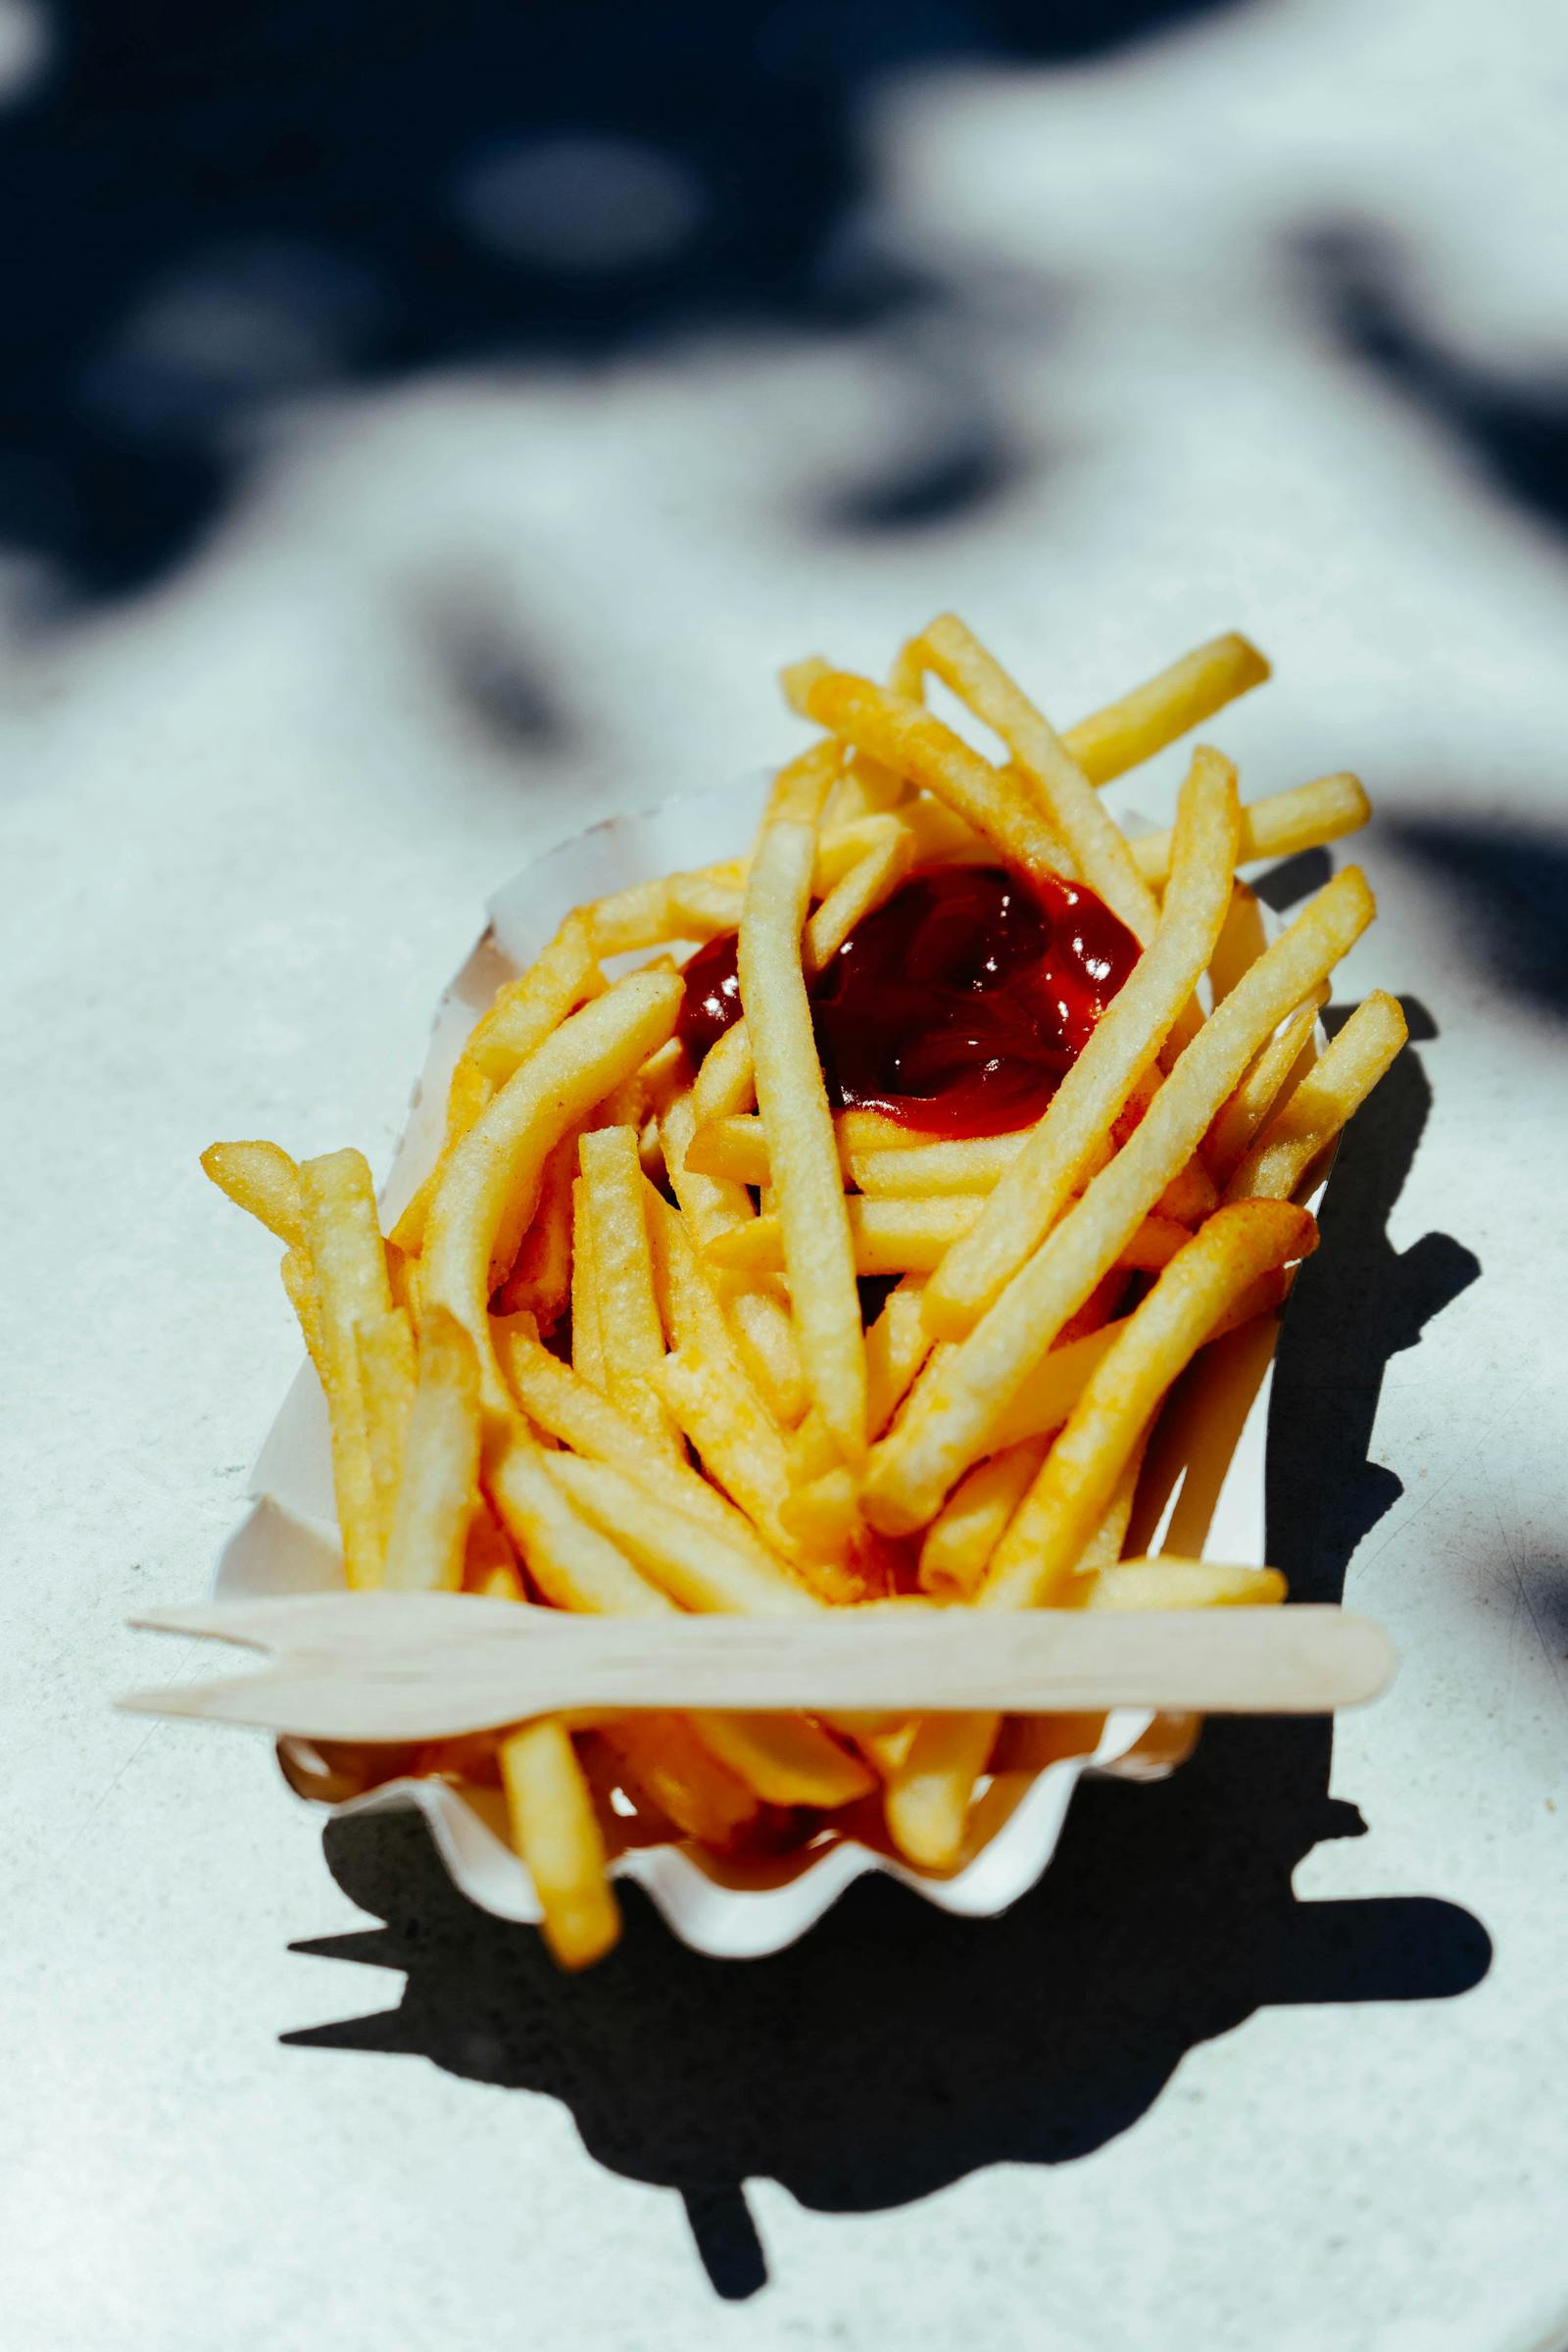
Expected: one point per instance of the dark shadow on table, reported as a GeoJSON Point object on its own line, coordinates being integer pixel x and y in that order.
{"type": "Point", "coordinates": [1513, 426]}
{"type": "Point", "coordinates": [220, 211]}
{"type": "Point", "coordinates": [896, 2050]}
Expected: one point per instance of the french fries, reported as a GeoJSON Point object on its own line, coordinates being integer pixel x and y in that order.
{"type": "Point", "coordinates": [339, 1231]}
{"type": "Point", "coordinates": [631, 1337]}
{"type": "Point", "coordinates": [1303, 819]}
{"type": "Point", "coordinates": [439, 1464]}
{"type": "Point", "coordinates": [914, 1467]}
{"type": "Point", "coordinates": [792, 1097]}
{"type": "Point", "coordinates": [619, 1353]}
{"type": "Point", "coordinates": [1055, 780]}
{"type": "Point", "coordinates": [1031, 1194]}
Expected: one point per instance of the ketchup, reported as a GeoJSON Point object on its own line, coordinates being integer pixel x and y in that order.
{"type": "Point", "coordinates": [956, 1006]}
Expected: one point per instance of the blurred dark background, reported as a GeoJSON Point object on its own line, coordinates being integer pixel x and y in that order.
{"type": "Point", "coordinates": [210, 208]}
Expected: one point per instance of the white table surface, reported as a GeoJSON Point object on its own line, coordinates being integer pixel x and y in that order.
{"type": "Point", "coordinates": [1182, 2098]}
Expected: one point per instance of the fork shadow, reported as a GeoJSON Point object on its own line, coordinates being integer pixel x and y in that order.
{"type": "Point", "coordinates": [894, 2049]}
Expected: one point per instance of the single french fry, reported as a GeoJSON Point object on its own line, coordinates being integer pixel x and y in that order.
{"type": "Point", "coordinates": [937, 834]}
{"type": "Point", "coordinates": [630, 1333]}
{"type": "Point", "coordinates": [1137, 725]}
{"type": "Point", "coordinates": [825, 1516]}
{"type": "Point", "coordinates": [529, 1008]}
{"type": "Point", "coordinates": [468, 1092]}
{"type": "Point", "coordinates": [1278, 826]}
{"type": "Point", "coordinates": [898, 1236]}
{"type": "Point", "coordinates": [436, 1489]}
{"type": "Point", "coordinates": [1248, 1105]}
{"type": "Point", "coordinates": [261, 1179]}
{"type": "Point", "coordinates": [500, 1583]}
{"type": "Point", "coordinates": [912, 1469]}
{"type": "Point", "coordinates": [886, 1237]}
{"type": "Point", "coordinates": [387, 1380]}
{"type": "Point", "coordinates": [489, 1564]}
{"type": "Point", "coordinates": [864, 888]}
{"type": "Point", "coordinates": [1331, 1092]}
{"type": "Point", "coordinates": [686, 1557]}
{"type": "Point", "coordinates": [895, 1346]}
{"type": "Point", "coordinates": [727, 1082]}
{"type": "Point", "coordinates": [889, 854]}
{"type": "Point", "coordinates": [1034, 1190]}
{"type": "Point", "coordinates": [1173, 1583]}
{"type": "Point", "coordinates": [765, 1336]}
{"type": "Point", "coordinates": [1071, 805]}
{"type": "Point", "coordinates": [927, 1802]}
{"type": "Point", "coordinates": [865, 788]}
{"type": "Point", "coordinates": [1191, 1196]}
{"type": "Point", "coordinates": [549, 1812]}
{"type": "Point", "coordinates": [343, 1235]}
{"type": "Point", "coordinates": [787, 1760]}
{"type": "Point", "coordinates": [1047, 1397]}
{"type": "Point", "coordinates": [905, 737]}
{"type": "Point", "coordinates": [495, 1171]}
{"type": "Point", "coordinates": [966, 1531]}
{"type": "Point", "coordinates": [793, 1100]}
{"type": "Point", "coordinates": [971, 1163]}
{"type": "Point", "coordinates": [540, 1281]}
{"type": "Point", "coordinates": [300, 1285]}
{"type": "Point", "coordinates": [736, 1147]}
{"type": "Point", "coordinates": [1105, 1544]}
{"type": "Point", "coordinates": [739, 1443]}
{"type": "Point", "coordinates": [661, 1760]}
{"type": "Point", "coordinates": [703, 906]}
{"type": "Point", "coordinates": [587, 1351]}
{"type": "Point", "coordinates": [1241, 941]}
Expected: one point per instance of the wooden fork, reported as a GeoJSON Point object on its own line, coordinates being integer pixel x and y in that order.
{"type": "Point", "coordinates": [398, 1666]}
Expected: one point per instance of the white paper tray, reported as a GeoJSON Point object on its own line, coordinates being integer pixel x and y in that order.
{"type": "Point", "coordinates": [1204, 1484]}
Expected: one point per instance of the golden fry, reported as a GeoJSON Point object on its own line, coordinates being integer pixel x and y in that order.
{"type": "Point", "coordinates": [1172, 1584]}
{"type": "Point", "coordinates": [793, 1099]}
{"type": "Point", "coordinates": [1137, 725]}
{"type": "Point", "coordinates": [630, 1333]}
{"type": "Point", "coordinates": [439, 1482]}
{"type": "Point", "coordinates": [736, 1147]}
{"type": "Point", "coordinates": [553, 1827]}
{"type": "Point", "coordinates": [262, 1179]}
{"type": "Point", "coordinates": [348, 1261]}
{"type": "Point", "coordinates": [387, 1381]}
{"type": "Point", "coordinates": [1303, 819]}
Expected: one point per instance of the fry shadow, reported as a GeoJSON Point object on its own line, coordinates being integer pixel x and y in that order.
{"type": "Point", "coordinates": [895, 2050]}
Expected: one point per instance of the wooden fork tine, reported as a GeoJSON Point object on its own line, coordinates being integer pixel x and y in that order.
{"type": "Point", "coordinates": [255, 1698]}
{"type": "Point", "coordinates": [271, 1621]}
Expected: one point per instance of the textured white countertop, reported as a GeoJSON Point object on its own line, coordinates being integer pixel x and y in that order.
{"type": "Point", "coordinates": [1233, 2077]}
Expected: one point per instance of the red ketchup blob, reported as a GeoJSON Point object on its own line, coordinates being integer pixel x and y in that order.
{"type": "Point", "coordinates": [955, 1007]}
